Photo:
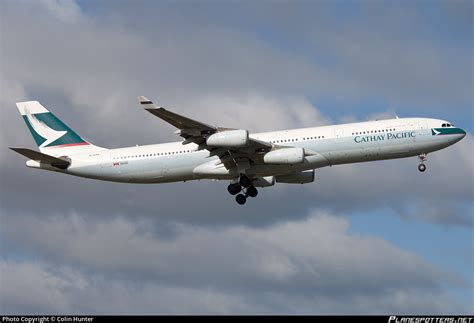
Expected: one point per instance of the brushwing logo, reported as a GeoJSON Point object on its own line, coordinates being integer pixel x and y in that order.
{"type": "Point", "coordinates": [43, 130]}
{"type": "Point", "coordinates": [435, 132]}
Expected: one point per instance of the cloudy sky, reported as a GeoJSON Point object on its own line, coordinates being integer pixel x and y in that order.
{"type": "Point", "coordinates": [368, 238]}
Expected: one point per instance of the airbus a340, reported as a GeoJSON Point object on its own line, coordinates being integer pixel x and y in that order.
{"type": "Point", "coordinates": [247, 160]}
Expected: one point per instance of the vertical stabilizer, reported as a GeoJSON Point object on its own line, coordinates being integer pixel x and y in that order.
{"type": "Point", "coordinates": [50, 133]}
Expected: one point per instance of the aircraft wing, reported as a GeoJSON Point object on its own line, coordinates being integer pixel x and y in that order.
{"type": "Point", "coordinates": [198, 132]}
{"type": "Point", "coordinates": [175, 119]}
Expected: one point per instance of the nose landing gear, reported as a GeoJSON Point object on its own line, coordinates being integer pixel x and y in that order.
{"type": "Point", "coordinates": [244, 187]}
{"type": "Point", "coordinates": [421, 166]}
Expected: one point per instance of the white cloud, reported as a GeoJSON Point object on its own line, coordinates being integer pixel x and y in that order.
{"type": "Point", "coordinates": [65, 10]}
{"type": "Point", "coordinates": [257, 112]}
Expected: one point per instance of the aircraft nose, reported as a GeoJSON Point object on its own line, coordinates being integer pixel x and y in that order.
{"type": "Point", "coordinates": [460, 134]}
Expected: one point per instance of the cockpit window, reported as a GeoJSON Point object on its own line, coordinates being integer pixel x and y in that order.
{"type": "Point", "coordinates": [443, 125]}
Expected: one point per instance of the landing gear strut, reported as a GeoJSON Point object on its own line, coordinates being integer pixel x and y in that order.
{"type": "Point", "coordinates": [242, 189]}
{"type": "Point", "coordinates": [245, 181]}
{"type": "Point", "coordinates": [421, 166]}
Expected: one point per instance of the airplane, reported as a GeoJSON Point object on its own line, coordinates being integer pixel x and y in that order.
{"type": "Point", "coordinates": [246, 160]}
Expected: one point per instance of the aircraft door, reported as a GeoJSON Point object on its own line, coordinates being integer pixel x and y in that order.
{"type": "Point", "coordinates": [106, 162]}
{"type": "Point", "coordinates": [339, 134]}
{"type": "Point", "coordinates": [106, 166]}
{"type": "Point", "coordinates": [424, 129]}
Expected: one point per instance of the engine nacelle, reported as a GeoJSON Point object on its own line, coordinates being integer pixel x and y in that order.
{"type": "Point", "coordinates": [230, 138]}
{"type": "Point", "coordinates": [284, 156]}
{"type": "Point", "coordinates": [303, 177]}
{"type": "Point", "coordinates": [264, 181]}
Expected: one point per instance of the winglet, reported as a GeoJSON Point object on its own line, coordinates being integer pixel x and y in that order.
{"type": "Point", "coordinates": [146, 103]}
{"type": "Point", "coordinates": [144, 100]}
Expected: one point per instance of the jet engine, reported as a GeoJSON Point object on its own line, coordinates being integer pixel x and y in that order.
{"type": "Point", "coordinates": [230, 138]}
{"type": "Point", "coordinates": [284, 156]}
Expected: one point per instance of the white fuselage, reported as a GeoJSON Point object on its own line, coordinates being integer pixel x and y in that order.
{"type": "Point", "coordinates": [326, 146]}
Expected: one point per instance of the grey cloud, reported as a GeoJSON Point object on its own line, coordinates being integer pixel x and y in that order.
{"type": "Point", "coordinates": [388, 51]}
{"type": "Point", "coordinates": [312, 264]}
{"type": "Point", "coordinates": [161, 72]}
{"type": "Point", "coordinates": [51, 289]}
{"type": "Point", "coordinates": [185, 56]}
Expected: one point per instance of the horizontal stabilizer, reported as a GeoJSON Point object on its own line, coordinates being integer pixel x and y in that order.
{"type": "Point", "coordinates": [43, 158]}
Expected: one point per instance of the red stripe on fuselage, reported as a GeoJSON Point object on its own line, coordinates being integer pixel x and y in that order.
{"type": "Point", "coordinates": [70, 145]}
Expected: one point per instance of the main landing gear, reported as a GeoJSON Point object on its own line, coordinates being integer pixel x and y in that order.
{"type": "Point", "coordinates": [421, 166]}
{"type": "Point", "coordinates": [242, 189]}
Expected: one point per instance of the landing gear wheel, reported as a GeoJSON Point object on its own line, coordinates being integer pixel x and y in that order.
{"type": "Point", "coordinates": [241, 199]}
{"type": "Point", "coordinates": [422, 167]}
{"type": "Point", "coordinates": [244, 181]}
{"type": "Point", "coordinates": [251, 191]}
{"type": "Point", "coordinates": [234, 188]}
